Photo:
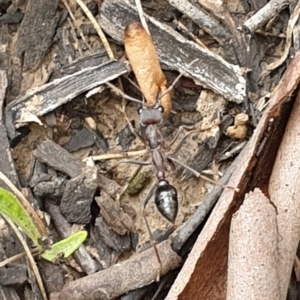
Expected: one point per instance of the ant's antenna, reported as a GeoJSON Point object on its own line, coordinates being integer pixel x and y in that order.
{"type": "Point", "coordinates": [121, 93]}
{"type": "Point", "coordinates": [177, 79]}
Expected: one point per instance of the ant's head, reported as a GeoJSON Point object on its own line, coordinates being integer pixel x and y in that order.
{"type": "Point", "coordinates": [151, 115]}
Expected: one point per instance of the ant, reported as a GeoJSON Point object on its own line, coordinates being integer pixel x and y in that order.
{"type": "Point", "coordinates": [165, 194]}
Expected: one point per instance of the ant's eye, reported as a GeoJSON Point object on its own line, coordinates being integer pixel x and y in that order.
{"type": "Point", "coordinates": [139, 110]}
{"type": "Point", "coordinates": [161, 109]}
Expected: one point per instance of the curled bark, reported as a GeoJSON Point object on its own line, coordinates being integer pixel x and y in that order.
{"type": "Point", "coordinates": [284, 189]}
{"type": "Point", "coordinates": [253, 257]}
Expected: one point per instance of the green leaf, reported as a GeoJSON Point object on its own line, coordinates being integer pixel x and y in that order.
{"type": "Point", "coordinates": [65, 247]}
{"type": "Point", "coordinates": [12, 209]}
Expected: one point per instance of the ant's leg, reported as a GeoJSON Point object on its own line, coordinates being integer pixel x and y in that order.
{"type": "Point", "coordinates": [190, 130]}
{"type": "Point", "coordinates": [152, 240]}
{"type": "Point", "coordinates": [199, 175]}
{"type": "Point", "coordinates": [179, 131]}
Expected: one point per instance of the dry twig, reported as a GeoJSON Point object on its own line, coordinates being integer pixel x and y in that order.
{"type": "Point", "coordinates": [116, 155]}
{"type": "Point", "coordinates": [97, 27]}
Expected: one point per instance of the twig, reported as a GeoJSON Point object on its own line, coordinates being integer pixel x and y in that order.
{"type": "Point", "coordinates": [141, 15]}
{"type": "Point", "coordinates": [115, 155]}
{"type": "Point", "coordinates": [30, 257]}
{"type": "Point", "coordinates": [78, 28]}
{"type": "Point", "coordinates": [97, 27]}
{"type": "Point", "coordinates": [25, 204]}
{"type": "Point", "coordinates": [75, 36]}
{"type": "Point", "coordinates": [16, 257]}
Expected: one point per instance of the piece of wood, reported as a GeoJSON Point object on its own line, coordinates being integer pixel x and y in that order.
{"type": "Point", "coordinates": [266, 13]}
{"type": "Point", "coordinates": [176, 52]}
{"type": "Point", "coordinates": [60, 159]}
{"type": "Point", "coordinates": [233, 44]}
{"type": "Point", "coordinates": [131, 274]}
{"type": "Point", "coordinates": [84, 62]}
{"type": "Point", "coordinates": [36, 31]}
{"type": "Point", "coordinates": [117, 242]}
{"type": "Point", "coordinates": [78, 195]}
{"type": "Point", "coordinates": [204, 274]}
{"type": "Point", "coordinates": [253, 256]}
{"type": "Point", "coordinates": [202, 18]}
{"type": "Point", "coordinates": [114, 215]}
{"type": "Point", "coordinates": [48, 97]}
{"type": "Point", "coordinates": [284, 189]}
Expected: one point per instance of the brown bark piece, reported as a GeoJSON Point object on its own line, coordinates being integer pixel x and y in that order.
{"type": "Point", "coordinates": [204, 274]}
{"type": "Point", "coordinates": [253, 257]}
{"type": "Point", "coordinates": [36, 31]}
{"type": "Point", "coordinates": [176, 52]}
{"type": "Point", "coordinates": [284, 190]}
{"type": "Point", "coordinates": [131, 274]}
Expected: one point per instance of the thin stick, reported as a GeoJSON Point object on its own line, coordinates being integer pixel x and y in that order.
{"type": "Point", "coordinates": [75, 36]}
{"type": "Point", "coordinates": [141, 15]}
{"type": "Point", "coordinates": [116, 155]}
{"type": "Point", "coordinates": [30, 257]}
{"type": "Point", "coordinates": [16, 257]}
{"type": "Point", "coordinates": [25, 204]}
{"type": "Point", "coordinates": [98, 28]}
